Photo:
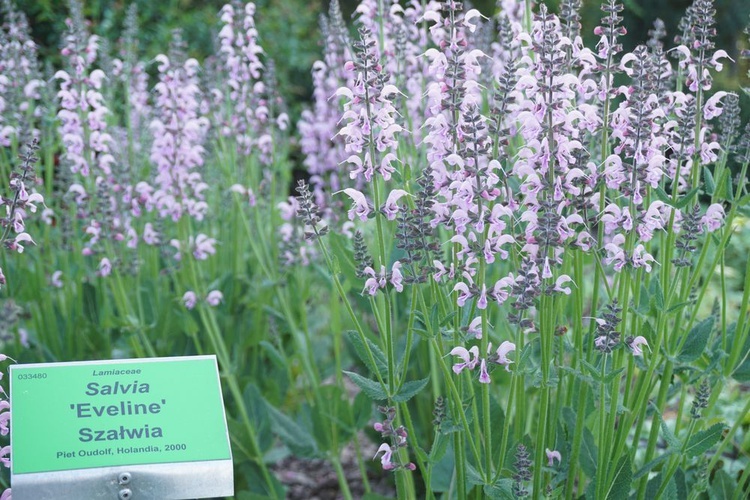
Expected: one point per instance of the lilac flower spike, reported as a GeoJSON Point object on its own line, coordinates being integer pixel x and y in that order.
{"type": "Point", "coordinates": [553, 455]}
{"type": "Point", "coordinates": [466, 356]}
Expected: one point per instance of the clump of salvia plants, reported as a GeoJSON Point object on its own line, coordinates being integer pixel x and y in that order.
{"type": "Point", "coordinates": [507, 265]}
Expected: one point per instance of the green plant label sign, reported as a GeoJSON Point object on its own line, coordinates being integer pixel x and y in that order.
{"type": "Point", "coordinates": [81, 415]}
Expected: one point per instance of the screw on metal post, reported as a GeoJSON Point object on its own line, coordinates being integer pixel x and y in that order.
{"type": "Point", "coordinates": [125, 494]}
{"type": "Point", "coordinates": [123, 478]}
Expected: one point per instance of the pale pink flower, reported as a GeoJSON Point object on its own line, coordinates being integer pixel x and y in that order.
{"type": "Point", "coordinates": [214, 298]}
{"type": "Point", "coordinates": [553, 455]}
{"type": "Point", "coordinates": [360, 206]}
{"type": "Point", "coordinates": [56, 279]}
{"type": "Point", "coordinates": [189, 299]}
{"type": "Point", "coordinates": [502, 354]}
{"type": "Point", "coordinates": [385, 460]}
{"type": "Point", "coordinates": [105, 267]}
{"type": "Point", "coordinates": [397, 279]}
{"type": "Point", "coordinates": [468, 361]}
{"type": "Point", "coordinates": [484, 376]}
{"type": "Point", "coordinates": [390, 209]}
{"type": "Point", "coordinates": [714, 217]}
{"type": "Point", "coordinates": [636, 344]}
{"type": "Point", "coordinates": [475, 327]}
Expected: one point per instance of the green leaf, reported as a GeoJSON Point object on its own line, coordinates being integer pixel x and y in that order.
{"type": "Point", "coordinates": [473, 477]}
{"type": "Point", "coordinates": [611, 375]}
{"type": "Point", "coordinates": [274, 354]}
{"type": "Point", "coordinates": [680, 484]}
{"type": "Point", "coordinates": [619, 488]}
{"type": "Point", "coordinates": [361, 410]}
{"type": "Point", "coordinates": [380, 366]}
{"type": "Point", "coordinates": [708, 178]}
{"type": "Point", "coordinates": [643, 301]}
{"type": "Point", "coordinates": [657, 297]}
{"type": "Point", "coordinates": [588, 455]}
{"type": "Point", "coordinates": [669, 436]}
{"type": "Point", "coordinates": [741, 373]}
{"type": "Point", "coordinates": [439, 447]}
{"type": "Point", "coordinates": [257, 411]}
{"type": "Point", "coordinates": [723, 486]}
{"type": "Point", "coordinates": [442, 471]}
{"type": "Point", "coordinates": [696, 341]}
{"type": "Point", "coordinates": [300, 442]}
{"type": "Point", "coordinates": [704, 440]}
{"type": "Point", "coordinates": [653, 463]}
{"type": "Point", "coordinates": [593, 370]}
{"type": "Point", "coordinates": [409, 389]}
{"type": "Point", "coordinates": [370, 387]}
{"type": "Point", "coordinates": [652, 488]}
{"type": "Point", "coordinates": [501, 490]}
{"type": "Point", "coordinates": [686, 199]}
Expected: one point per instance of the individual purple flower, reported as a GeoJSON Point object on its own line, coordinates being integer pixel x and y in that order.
{"type": "Point", "coordinates": [397, 279]}
{"type": "Point", "coordinates": [360, 206]}
{"type": "Point", "coordinates": [375, 281]}
{"type": "Point", "coordinates": [4, 417]}
{"type": "Point", "coordinates": [204, 247]}
{"type": "Point", "coordinates": [464, 293]}
{"type": "Point", "coordinates": [475, 327]}
{"type": "Point", "coordinates": [4, 458]}
{"type": "Point", "coordinates": [714, 217]}
{"type": "Point", "coordinates": [501, 355]}
{"type": "Point", "coordinates": [635, 345]}
{"type": "Point", "coordinates": [553, 455]}
{"type": "Point", "coordinates": [390, 208]}
{"type": "Point", "coordinates": [470, 358]}
{"type": "Point", "coordinates": [105, 267]}
{"type": "Point", "coordinates": [562, 280]}
{"type": "Point", "coordinates": [190, 299]}
{"type": "Point", "coordinates": [214, 298]}
{"type": "Point", "coordinates": [385, 460]}
{"type": "Point", "coordinates": [150, 236]}
{"type": "Point", "coordinates": [484, 376]}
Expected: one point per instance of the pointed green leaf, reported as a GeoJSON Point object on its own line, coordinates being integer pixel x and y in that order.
{"type": "Point", "coordinates": [588, 455]}
{"type": "Point", "coordinates": [299, 441]}
{"type": "Point", "coordinates": [696, 341]}
{"type": "Point", "coordinates": [657, 297]}
{"type": "Point", "coordinates": [703, 441]}
{"type": "Point", "coordinates": [669, 493]}
{"type": "Point", "coordinates": [686, 199]}
{"type": "Point", "coordinates": [708, 179]}
{"type": "Point", "coordinates": [501, 490]}
{"type": "Point", "coordinates": [439, 447]}
{"type": "Point", "coordinates": [653, 463]}
{"type": "Point", "coordinates": [380, 366]}
{"type": "Point", "coordinates": [680, 483]}
{"type": "Point", "coordinates": [619, 488]}
{"type": "Point", "coordinates": [371, 388]}
{"type": "Point", "coordinates": [409, 389]}
{"type": "Point", "coordinates": [723, 486]}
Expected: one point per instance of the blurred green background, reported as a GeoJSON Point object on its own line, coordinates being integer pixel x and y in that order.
{"type": "Point", "coordinates": [290, 35]}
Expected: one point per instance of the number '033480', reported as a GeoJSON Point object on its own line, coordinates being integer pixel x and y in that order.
{"type": "Point", "coordinates": [31, 376]}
